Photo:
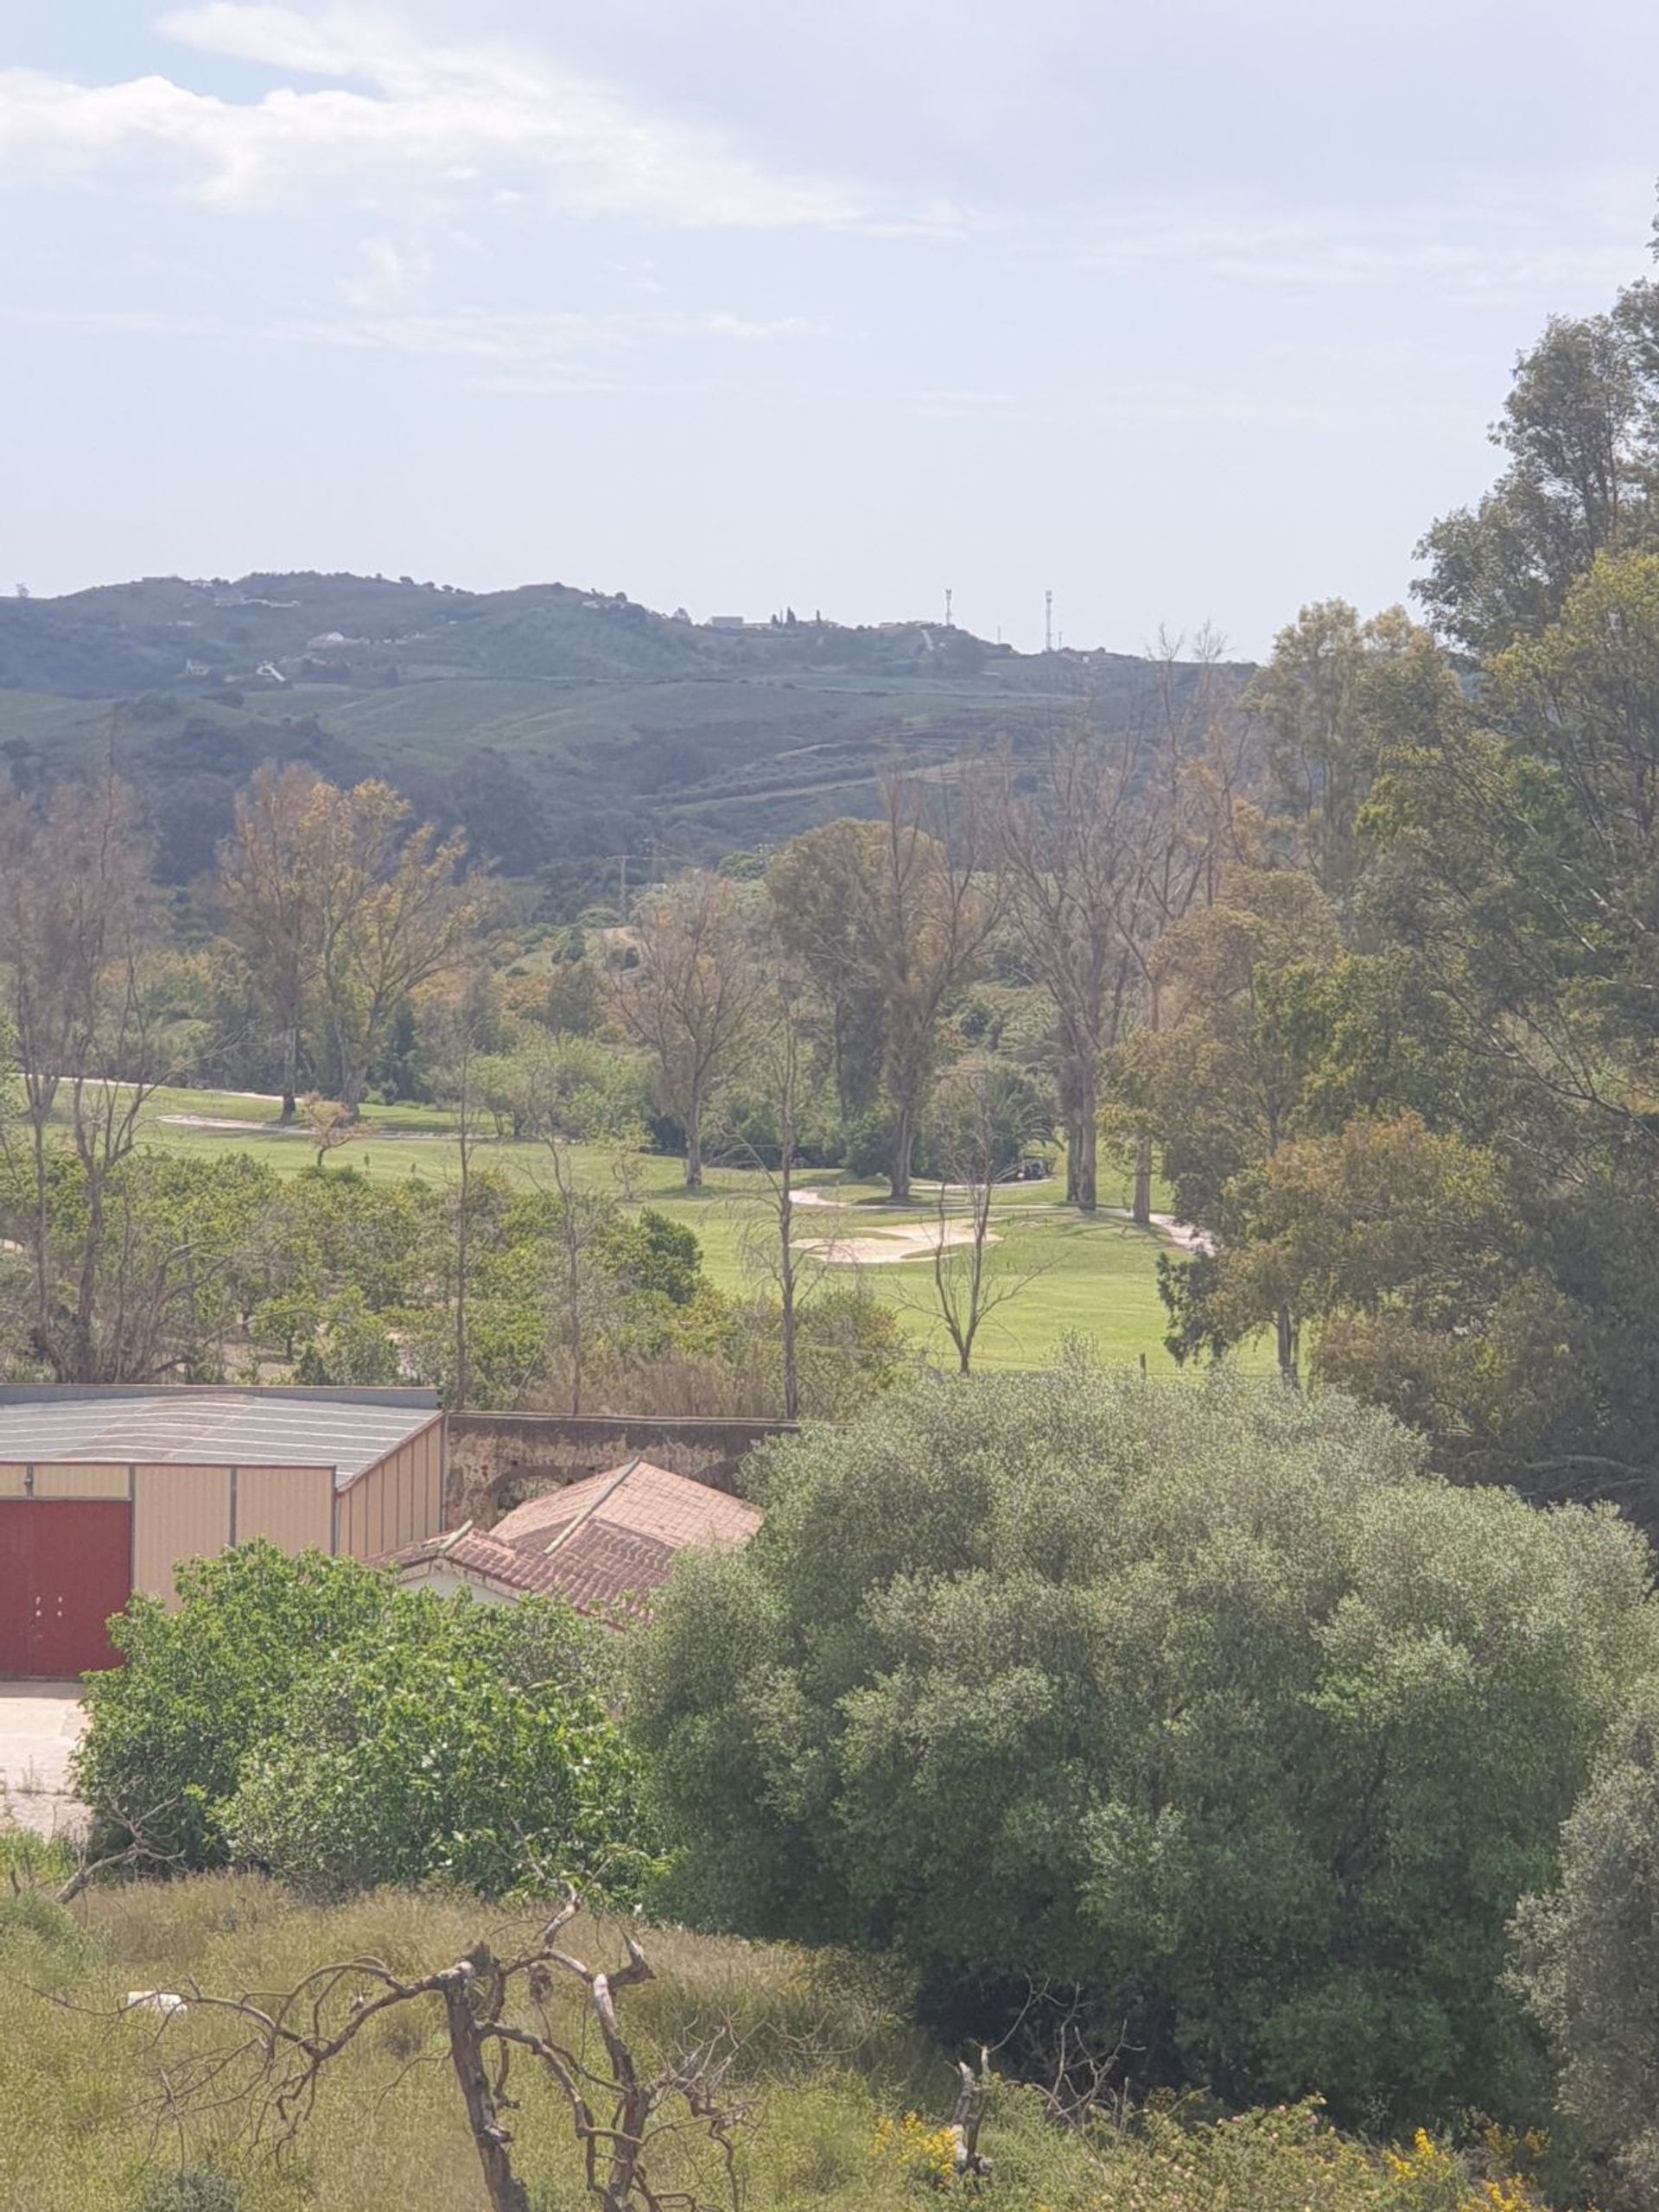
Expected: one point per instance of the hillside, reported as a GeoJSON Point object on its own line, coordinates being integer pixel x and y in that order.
{"type": "Point", "coordinates": [557, 726]}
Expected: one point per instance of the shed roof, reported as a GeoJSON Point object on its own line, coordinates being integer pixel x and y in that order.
{"type": "Point", "coordinates": [160, 1424]}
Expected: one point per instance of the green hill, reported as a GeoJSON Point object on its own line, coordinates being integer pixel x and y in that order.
{"type": "Point", "coordinates": [555, 726]}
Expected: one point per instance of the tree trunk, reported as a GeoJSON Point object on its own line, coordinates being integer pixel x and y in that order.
{"type": "Point", "coordinates": [1086, 1141]}
{"type": "Point", "coordinates": [904, 1139]}
{"type": "Point", "coordinates": [290, 1071]}
{"type": "Point", "coordinates": [1142, 1206]}
{"type": "Point", "coordinates": [354, 1082]}
{"type": "Point", "coordinates": [1286, 1331]}
{"type": "Point", "coordinates": [694, 1145]}
{"type": "Point", "coordinates": [506, 2192]}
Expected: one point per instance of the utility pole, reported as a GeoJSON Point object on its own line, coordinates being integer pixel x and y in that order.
{"type": "Point", "coordinates": [1048, 621]}
{"type": "Point", "coordinates": [947, 597]}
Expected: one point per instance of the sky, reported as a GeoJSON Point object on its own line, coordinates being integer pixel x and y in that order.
{"type": "Point", "coordinates": [1189, 313]}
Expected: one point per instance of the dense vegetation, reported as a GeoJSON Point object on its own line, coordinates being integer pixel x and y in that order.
{"type": "Point", "coordinates": [1209, 1705]}
{"type": "Point", "coordinates": [307, 1717]}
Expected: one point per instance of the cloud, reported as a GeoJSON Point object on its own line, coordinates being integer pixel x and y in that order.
{"type": "Point", "coordinates": [1473, 248]}
{"type": "Point", "coordinates": [500, 352]}
{"type": "Point", "coordinates": [446, 122]}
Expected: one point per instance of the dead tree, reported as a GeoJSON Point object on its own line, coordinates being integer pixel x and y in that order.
{"type": "Point", "coordinates": [973, 2094]}
{"type": "Point", "coordinates": [495, 2010]}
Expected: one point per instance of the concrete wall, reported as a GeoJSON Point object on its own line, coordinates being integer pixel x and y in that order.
{"type": "Point", "coordinates": [496, 1458]}
{"type": "Point", "coordinates": [397, 1500]}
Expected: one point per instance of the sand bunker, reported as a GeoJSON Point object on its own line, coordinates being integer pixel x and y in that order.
{"type": "Point", "coordinates": [882, 1247]}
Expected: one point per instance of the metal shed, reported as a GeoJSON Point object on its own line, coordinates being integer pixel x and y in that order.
{"type": "Point", "coordinates": [103, 1491]}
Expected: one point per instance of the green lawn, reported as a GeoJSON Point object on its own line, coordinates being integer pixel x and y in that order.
{"type": "Point", "coordinates": [1095, 1278]}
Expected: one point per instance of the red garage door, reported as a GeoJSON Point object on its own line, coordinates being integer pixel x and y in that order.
{"type": "Point", "coordinates": [66, 1565]}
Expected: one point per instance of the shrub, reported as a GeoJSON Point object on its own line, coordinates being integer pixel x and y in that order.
{"type": "Point", "coordinates": [1205, 1701]}
{"type": "Point", "coordinates": [167, 1733]}
{"type": "Point", "coordinates": [343, 1733]}
{"type": "Point", "coordinates": [467, 1745]}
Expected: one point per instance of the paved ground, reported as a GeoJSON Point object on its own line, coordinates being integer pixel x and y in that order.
{"type": "Point", "coordinates": [40, 1723]}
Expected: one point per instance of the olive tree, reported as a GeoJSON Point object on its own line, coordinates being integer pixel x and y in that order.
{"type": "Point", "coordinates": [1205, 1702]}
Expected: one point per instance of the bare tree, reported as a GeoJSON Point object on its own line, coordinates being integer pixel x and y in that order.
{"type": "Point", "coordinates": [580, 1291]}
{"type": "Point", "coordinates": [1193, 821]}
{"type": "Point", "coordinates": [970, 1279]}
{"type": "Point", "coordinates": [496, 2013]}
{"type": "Point", "coordinates": [778, 1063]}
{"type": "Point", "coordinates": [91, 1046]}
{"type": "Point", "coordinates": [690, 1000]}
{"type": "Point", "coordinates": [1069, 851]}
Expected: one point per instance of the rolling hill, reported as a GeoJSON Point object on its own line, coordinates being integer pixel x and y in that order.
{"type": "Point", "coordinates": [560, 727]}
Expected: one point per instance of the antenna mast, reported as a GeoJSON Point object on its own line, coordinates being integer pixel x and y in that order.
{"type": "Point", "coordinates": [1048, 621]}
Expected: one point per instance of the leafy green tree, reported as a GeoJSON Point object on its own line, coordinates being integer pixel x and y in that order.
{"type": "Point", "coordinates": [1222, 1081]}
{"type": "Point", "coordinates": [1577, 430]}
{"type": "Point", "coordinates": [205, 1684]}
{"type": "Point", "coordinates": [453, 1742]}
{"type": "Point", "coordinates": [1205, 1703]}
{"type": "Point", "coordinates": [1586, 1951]}
{"type": "Point", "coordinates": [888, 922]}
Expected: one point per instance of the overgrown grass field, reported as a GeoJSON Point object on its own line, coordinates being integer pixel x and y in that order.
{"type": "Point", "coordinates": [842, 2103]}
{"type": "Point", "coordinates": [1095, 1279]}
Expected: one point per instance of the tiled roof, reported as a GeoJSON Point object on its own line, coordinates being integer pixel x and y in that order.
{"type": "Point", "coordinates": [165, 1423]}
{"type": "Point", "coordinates": [649, 1501]}
{"type": "Point", "coordinates": [604, 1545]}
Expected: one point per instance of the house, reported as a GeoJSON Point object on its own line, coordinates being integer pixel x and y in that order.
{"type": "Point", "coordinates": [604, 1545]}
{"type": "Point", "coordinates": [104, 1491]}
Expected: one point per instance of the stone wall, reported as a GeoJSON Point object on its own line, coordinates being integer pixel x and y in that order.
{"type": "Point", "coordinates": [498, 1459]}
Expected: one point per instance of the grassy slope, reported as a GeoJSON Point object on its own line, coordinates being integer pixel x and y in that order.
{"type": "Point", "coordinates": [825, 2067]}
{"type": "Point", "coordinates": [1094, 1278]}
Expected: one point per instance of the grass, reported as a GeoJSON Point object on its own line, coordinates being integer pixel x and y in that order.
{"type": "Point", "coordinates": [1095, 1278]}
{"type": "Point", "coordinates": [826, 2069]}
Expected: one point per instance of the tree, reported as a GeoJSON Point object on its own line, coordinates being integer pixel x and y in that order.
{"type": "Point", "coordinates": [690, 1000]}
{"type": "Point", "coordinates": [1222, 1081]}
{"type": "Point", "coordinates": [1586, 1951]}
{"type": "Point", "coordinates": [495, 2010]}
{"type": "Point", "coordinates": [1335, 693]}
{"type": "Point", "coordinates": [268, 888]}
{"type": "Point", "coordinates": [777, 1058]}
{"type": "Point", "coordinates": [982, 1114]}
{"type": "Point", "coordinates": [1204, 1703]}
{"type": "Point", "coordinates": [1067, 852]}
{"type": "Point", "coordinates": [89, 1028]}
{"type": "Point", "coordinates": [204, 1685]}
{"type": "Point", "coordinates": [887, 921]}
{"type": "Point", "coordinates": [1578, 427]}
{"type": "Point", "coordinates": [391, 916]}
{"type": "Point", "coordinates": [306, 1714]}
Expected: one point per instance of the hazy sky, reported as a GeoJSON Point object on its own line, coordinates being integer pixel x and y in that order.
{"type": "Point", "coordinates": [1189, 308]}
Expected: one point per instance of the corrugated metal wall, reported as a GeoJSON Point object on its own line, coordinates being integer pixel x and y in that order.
{"type": "Point", "coordinates": [178, 1513]}
{"type": "Point", "coordinates": [397, 1500]}
{"type": "Point", "coordinates": [110, 1480]}
{"type": "Point", "coordinates": [293, 1506]}
{"type": "Point", "coordinates": [13, 1479]}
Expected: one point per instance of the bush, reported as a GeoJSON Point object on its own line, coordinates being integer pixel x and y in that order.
{"type": "Point", "coordinates": [469, 1745]}
{"type": "Point", "coordinates": [343, 1733]}
{"type": "Point", "coordinates": [1207, 1702]}
{"type": "Point", "coordinates": [203, 1686]}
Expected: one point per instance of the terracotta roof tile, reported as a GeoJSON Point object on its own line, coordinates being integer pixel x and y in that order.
{"type": "Point", "coordinates": [605, 1552]}
{"type": "Point", "coordinates": [649, 1501]}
